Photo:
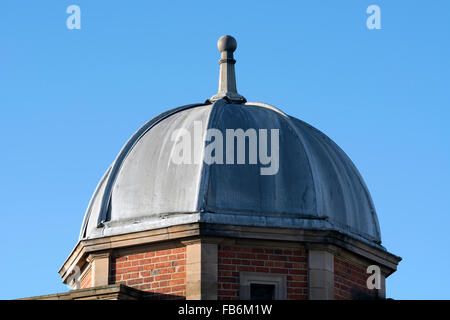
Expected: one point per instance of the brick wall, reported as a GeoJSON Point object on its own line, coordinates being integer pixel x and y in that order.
{"type": "Point", "coordinates": [285, 261]}
{"type": "Point", "coordinates": [350, 281]}
{"type": "Point", "coordinates": [162, 273]}
{"type": "Point", "coordinates": [86, 282]}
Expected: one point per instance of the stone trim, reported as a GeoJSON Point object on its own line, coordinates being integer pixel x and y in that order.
{"type": "Point", "coordinates": [330, 239]}
{"type": "Point", "coordinates": [320, 275]}
{"type": "Point", "coordinates": [109, 292]}
{"type": "Point", "coordinates": [83, 248]}
{"type": "Point", "coordinates": [319, 237]}
{"type": "Point", "coordinates": [201, 269]}
{"type": "Point", "coordinates": [247, 278]}
{"type": "Point", "coordinates": [100, 268]}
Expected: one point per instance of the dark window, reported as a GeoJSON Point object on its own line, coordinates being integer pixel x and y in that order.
{"type": "Point", "coordinates": [262, 291]}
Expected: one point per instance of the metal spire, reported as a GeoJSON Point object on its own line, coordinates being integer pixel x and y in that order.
{"type": "Point", "coordinates": [227, 78]}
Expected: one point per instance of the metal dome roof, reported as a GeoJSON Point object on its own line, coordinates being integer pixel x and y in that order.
{"type": "Point", "coordinates": [316, 187]}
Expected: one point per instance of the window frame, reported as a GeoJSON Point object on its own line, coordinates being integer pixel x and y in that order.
{"type": "Point", "coordinates": [247, 278]}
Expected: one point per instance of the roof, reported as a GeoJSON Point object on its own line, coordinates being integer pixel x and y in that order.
{"type": "Point", "coordinates": [316, 186]}
{"type": "Point", "coordinates": [292, 176]}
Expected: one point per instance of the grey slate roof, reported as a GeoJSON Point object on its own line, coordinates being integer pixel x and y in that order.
{"type": "Point", "coordinates": [317, 186]}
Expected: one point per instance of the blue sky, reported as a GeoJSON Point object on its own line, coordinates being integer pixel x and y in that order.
{"type": "Point", "coordinates": [70, 99]}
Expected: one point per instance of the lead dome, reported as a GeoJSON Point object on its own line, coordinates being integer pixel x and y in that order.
{"type": "Point", "coordinates": [317, 186]}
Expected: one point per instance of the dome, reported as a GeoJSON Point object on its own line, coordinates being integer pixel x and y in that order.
{"type": "Point", "coordinates": [314, 185]}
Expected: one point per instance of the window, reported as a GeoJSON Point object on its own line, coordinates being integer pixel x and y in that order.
{"type": "Point", "coordinates": [262, 291]}
{"type": "Point", "coordinates": [262, 286]}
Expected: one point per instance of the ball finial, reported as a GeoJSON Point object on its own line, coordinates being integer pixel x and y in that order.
{"type": "Point", "coordinates": [226, 43]}
{"type": "Point", "coordinates": [227, 77]}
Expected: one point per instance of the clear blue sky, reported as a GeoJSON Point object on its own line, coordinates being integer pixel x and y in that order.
{"type": "Point", "coordinates": [70, 99]}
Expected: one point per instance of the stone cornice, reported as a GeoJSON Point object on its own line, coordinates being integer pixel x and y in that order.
{"type": "Point", "coordinates": [216, 233]}
{"type": "Point", "coordinates": [109, 292]}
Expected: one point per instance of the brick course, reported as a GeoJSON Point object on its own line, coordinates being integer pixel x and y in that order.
{"type": "Point", "coordinates": [289, 262]}
{"type": "Point", "coordinates": [162, 273]}
{"type": "Point", "coordinates": [87, 280]}
{"type": "Point", "coordinates": [350, 281]}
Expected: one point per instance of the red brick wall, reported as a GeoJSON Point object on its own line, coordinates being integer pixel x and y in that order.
{"type": "Point", "coordinates": [350, 281]}
{"type": "Point", "coordinates": [86, 282]}
{"type": "Point", "coordinates": [289, 262]}
{"type": "Point", "coordinates": [162, 273]}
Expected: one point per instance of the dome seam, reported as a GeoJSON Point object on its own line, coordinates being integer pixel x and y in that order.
{"type": "Point", "coordinates": [117, 164]}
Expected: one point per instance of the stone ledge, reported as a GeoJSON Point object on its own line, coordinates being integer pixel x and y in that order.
{"type": "Point", "coordinates": [109, 292]}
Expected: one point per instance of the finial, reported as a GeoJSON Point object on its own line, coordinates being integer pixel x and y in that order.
{"type": "Point", "coordinates": [227, 78]}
